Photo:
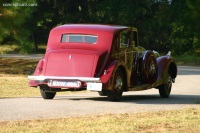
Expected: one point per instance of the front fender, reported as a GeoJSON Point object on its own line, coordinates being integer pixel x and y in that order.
{"type": "Point", "coordinates": [166, 65]}
{"type": "Point", "coordinates": [108, 71]}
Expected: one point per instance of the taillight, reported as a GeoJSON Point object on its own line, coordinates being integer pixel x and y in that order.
{"type": "Point", "coordinates": [40, 65]}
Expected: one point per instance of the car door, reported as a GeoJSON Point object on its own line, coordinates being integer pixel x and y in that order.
{"type": "Point", "coordinates": [134, 57]}
{"type": "Point", "coordinates": [128, 53]}
{"type": "Point", "coordinates": [125, 51]}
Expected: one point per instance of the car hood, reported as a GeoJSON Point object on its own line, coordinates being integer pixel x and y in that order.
{"type": "Point", "coordinates": [74, 63]}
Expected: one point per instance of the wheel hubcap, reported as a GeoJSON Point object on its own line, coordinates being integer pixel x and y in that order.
{"type": "Point", "coordinates": [169, 83]}
{"type": "Point", "coordinates": [119, 83]}
{"type": "Point", "coordinates": [152, 69]}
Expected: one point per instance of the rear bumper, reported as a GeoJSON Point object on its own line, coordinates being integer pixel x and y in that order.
{"type": "Point", "coordinates": [46, 78]}
{"type": "Point", "coordinates": [93, 84]}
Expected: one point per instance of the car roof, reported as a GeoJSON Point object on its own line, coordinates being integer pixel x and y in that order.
{"type": "Point", "coordinates": [105, 35]}
{"type": "Point", "coordinates": [90, 27]}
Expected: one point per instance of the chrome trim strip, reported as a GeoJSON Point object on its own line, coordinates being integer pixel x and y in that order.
{"type": "Point", "coordinates": [84, 79]}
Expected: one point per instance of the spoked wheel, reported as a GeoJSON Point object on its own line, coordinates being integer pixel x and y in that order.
{"type": "Point", "coordinates": [149, 67]}
{"type": "Point", "coordinates": [45, 94]}
{"type": "Point", "coordinates": [165, 89]}
{"type": "Point", "coordinates": [118, 86]}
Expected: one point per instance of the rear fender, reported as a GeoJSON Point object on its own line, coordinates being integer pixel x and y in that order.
{"type": "Point", "coordinates": [37, 72]}
{"type": "Point", "coordinates": [108, 71]}
{"type": "Point", "coordinates": [39, 68]}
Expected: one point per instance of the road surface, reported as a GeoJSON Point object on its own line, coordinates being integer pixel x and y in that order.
{"type": "Point", "coordinates": [27, 57]}
{"type": "Point", "coordinates": [185, 93]}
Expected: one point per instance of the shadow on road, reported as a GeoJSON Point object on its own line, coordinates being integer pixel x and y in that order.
{"type": "Point", "coordinates": [142, 99]}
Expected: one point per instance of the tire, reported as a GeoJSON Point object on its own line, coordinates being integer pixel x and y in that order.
{"type": "Point", "coordinates": [46, 95]}
{"type": "Point", "coordinates": [102, 93]}
{"type": "Point", "coordinates": [118, 86]}
{"type": "Point", "coordinates": [165, 89]}
{"type": "Point", "coordinates": [149, 68]}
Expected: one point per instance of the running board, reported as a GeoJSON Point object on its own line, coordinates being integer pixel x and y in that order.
{"type": "Point", "coordinates": [139, 87]}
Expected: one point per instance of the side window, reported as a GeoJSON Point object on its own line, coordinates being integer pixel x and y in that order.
{"type": "Point", "coordinates": [135, 39]}
{"type": "Point", "coordinates": [124, 39]}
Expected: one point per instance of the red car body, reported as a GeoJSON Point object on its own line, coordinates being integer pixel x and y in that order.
{"type": "Point", "coordinates": [101, 58]}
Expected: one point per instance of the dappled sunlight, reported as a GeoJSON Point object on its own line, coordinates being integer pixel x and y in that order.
{"type": "Point", "coordinates": [17, 66]}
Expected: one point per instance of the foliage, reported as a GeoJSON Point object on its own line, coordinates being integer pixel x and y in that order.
{"type": "Point", "coordinates": [188, 60]}
{"type": "Point", "coordinates": [184, 38]}
{"type": "Point", "coordinates": [14, 23]}
{"type": "Point", "coordinates": [163, 24]}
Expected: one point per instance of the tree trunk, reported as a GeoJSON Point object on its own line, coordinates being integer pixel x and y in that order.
{"type": "Point", "coordinates": [35, 42]}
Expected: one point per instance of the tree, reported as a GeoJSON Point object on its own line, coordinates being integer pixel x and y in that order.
{"type": "Point", "coordinates": [185, 28]}
{"type": "Point", "coordinates": [163, 24]}
{"type": "Point", "coordinates": [14, 22]}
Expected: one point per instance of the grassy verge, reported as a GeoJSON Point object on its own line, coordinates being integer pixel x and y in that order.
{"type": "Point", "coordinates": [8, 49]}
{"type": "Point", "coordinates": [188, 60]}
{"type": "Point", "coordinates": [16, 86]}
{"type": "Point", "coordinates": [13, 48]}
{"type": "Point", "coordinates": [13, 77]}
{"type": "Point", "coordinates": [184, 121]}
{"type": "Point", "coordinates": [16, 66]}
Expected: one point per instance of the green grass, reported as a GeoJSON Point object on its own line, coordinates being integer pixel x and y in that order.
{"type": "Point", "coordinates": [188, 60]}
{"type": "Point", "coordinates": [16, 86]}
{"type": "Point", "coordinates": [8, 48]}
{"type": "Point", "coordinates": [17, 66]}
{"type": "Point", "coordinates": [13, 48]}
{"type": "Point", "coordinates": [13, 77]}
{"type": "Point", "coordinates": [178, 121]}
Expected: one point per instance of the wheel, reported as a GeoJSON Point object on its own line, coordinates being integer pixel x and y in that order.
{"type": "Point", "coordinates": [118, 86]}
{"type": "Point", "coordinates": [149, 69]}
{"type": "Point", "coordinates": [165, 89]}
{"type": "Point", "coordinates": [46, 95]}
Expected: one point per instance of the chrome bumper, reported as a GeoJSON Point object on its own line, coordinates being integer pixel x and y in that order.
{"type": "Point", "coordinates": [83, 79]}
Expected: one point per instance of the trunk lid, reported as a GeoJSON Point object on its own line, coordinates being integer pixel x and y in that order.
{"type": "Point", "coordinates": [71, 63]}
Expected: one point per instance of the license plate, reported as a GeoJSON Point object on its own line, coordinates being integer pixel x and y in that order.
{"type": "Point", "coordinates": [75, 84]}
{"type": "Point", "coordinates": [94, 86]}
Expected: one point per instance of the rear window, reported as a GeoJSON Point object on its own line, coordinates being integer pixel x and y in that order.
{"type": "Point", "coordinates": [79, 38]}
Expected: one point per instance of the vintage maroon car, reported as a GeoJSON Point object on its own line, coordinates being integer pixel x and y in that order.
{"type": "Point", "coordinates": [101, 58]}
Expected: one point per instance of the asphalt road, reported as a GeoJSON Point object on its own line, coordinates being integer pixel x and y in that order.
{"type": "Point", "coordinates": [185, 93]}
{"type": "Point", "coordinates": [27, 57]}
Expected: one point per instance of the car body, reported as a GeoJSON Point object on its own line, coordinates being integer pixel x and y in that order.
{"type": "Point", "coordinates": [103, 58]}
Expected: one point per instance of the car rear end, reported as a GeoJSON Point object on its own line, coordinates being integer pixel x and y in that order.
{"type": "Point", "coordinates": [69, 68]}
{"type": "Point", "coordinates": [75, 58]}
